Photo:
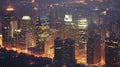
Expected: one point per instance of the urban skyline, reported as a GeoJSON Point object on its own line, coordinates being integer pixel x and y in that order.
{"type": "Point", "coordinates": [62, 33]}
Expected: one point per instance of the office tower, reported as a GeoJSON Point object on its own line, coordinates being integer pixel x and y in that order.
{"type": "Point", "coordinates": [64, 52]}
{"type": "Point", "coordinates": [41, 33]}
{"type": "Point", "coordinates": [6, 26]}
{"type": "Point", "coordinates": [48, 39]}
{"type": "Point", "coordinates": [26, 23]}
{"type": "Point", "coordinates": [81, 38]}
{"type": "Point", "coordinates": [68, 27]}
{"type": "Point", "coordinates": [94, 49]}
{"type": "Point", "coordinates": [26, 31]}
{"type": "Point", "coordinates": [112, 52]}
{"type": "Point", "coordinates": [69, 52]}
{"type": "Point", "coordinates": [58, 52]}
{"type": "Point", "coordinates": [82, 33]}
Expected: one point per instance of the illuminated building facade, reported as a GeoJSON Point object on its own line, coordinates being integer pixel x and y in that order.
{"type": "Point", "coordinates": [14, 27]}
{"type": "Point", "coordinates": [41, 33]}
{"type": "Point", "coordinates": [112, 52]}
{"type": "Point", "coordinates": [82, 33]}
{"type": "Point", "coordinates": [94, 49]}
{"type": "Point", "coordinates": [7, 22]}
{"type": "Point", "coordinates": [81, 38]}
{"type": "Point", "coordinates": [68, 27]}
{"type": "Point", "coordinates": [26, 31]}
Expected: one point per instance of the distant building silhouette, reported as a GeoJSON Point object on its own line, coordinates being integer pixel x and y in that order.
{"type": "Point", "coordinates": [7, 20]}
{"type": "Point", "coordinates": [112, 50]}
{"type": "Point", "coordinates": [58, 52]}
{"type": "Point", "coordinates": [64, 52]}
{"type": "Point", "coordinates": [69, 52]}
{"type": "Point", "coordinates": [93, 50]}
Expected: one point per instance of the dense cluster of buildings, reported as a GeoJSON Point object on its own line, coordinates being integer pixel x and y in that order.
{"type": "Point", "coordinates": [84, 32]}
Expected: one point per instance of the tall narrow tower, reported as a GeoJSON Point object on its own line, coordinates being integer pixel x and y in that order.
{"type": "Point", "coordinates": [82, 27]}
{"type": "Point", "coordinates": [58, 52]}
{"type": "Point", "coordinates": [6, 26]}
{"type": "Point", "coordinates": [112, 52]}
{"type": "Point", "coordinates": [26, 29]}
{"type": "Point", "coordinates": [94, 49]}
{"type": "Point", "coordinates": [69, 52]}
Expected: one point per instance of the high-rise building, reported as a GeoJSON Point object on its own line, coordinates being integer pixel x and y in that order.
{"type": "Point", "coordinates": [64, 52]}
{"type": "Point", "coordinates": [26, 23]}
{"type": "Point", "coordinates": [67, 29]}
{"type": "Point", "coordinates": [8, 18]}
{"type": "Point", "coordinates": [41, 33]}
{"type": "Point", "coordinates": [94, 50]}
{"type": "Point", "coordinates": [81, 38]}
{"type": "Point", "coordinates": [26, 30]}
{"type": "Point", "coordinates": [112, 52]}
{"type": "Point", "coordinates": [69, 52]}
{"type": "Point", "coordinates": [82, 33]}
{"type": "Point", "coordinates": [58, 52]}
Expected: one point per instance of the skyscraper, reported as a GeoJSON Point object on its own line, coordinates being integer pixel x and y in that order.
{"type": "Point", "coordinates": [38, 33]}
{"type": "Point", "coordinates": [6, 26]}
{"type": "Point", "coordinates": [41, 33]}
{"type": "Point", "coordinates": [82, 33]}
{"type": "Point", "coordinates": [58, 52]}
{"type": "Point", "coordinates": [26, 29]}
{"type": "Point", "coordinates": [112, 52]}
{"type": "Point", "coordinates": [64, 52]}
{"type": "Point", "coordinates": [69, 52]}
{"type": "Point", "coordinates": [93, 50]}
{"type": "Point", "coordinates": [68, 27]}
